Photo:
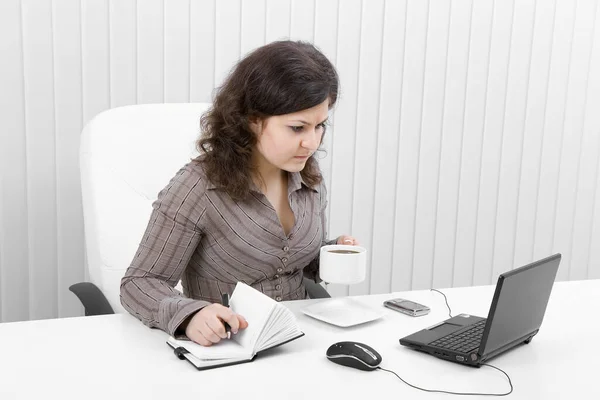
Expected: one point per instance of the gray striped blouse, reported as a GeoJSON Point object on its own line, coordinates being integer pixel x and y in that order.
{"type": "Point", "coordinates": [198, 234]}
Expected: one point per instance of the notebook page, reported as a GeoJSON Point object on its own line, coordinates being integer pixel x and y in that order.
{"type": "Point", "coordinates": [282, 328]}
{"type": "Point", "coordinates": [256, 307]}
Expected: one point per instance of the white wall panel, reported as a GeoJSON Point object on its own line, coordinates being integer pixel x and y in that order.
{"type": "Point", "coordinates": [253, 25]}
{"type": "Point", "coordinates": [177, 51]}
{"type": "Point", "coordinates": [202, 47]}
{"type": "Point", "coordinates": [95, 57]}
{"type": "Point", "coordinates": [517, 83]}
{"type": "Point", "coordinates": [150, 51]}
{"type": "Point", "coordinates": [492, 141]}
{"type": "Point", "coordinates": [411, 110]}
{"type": "Point", "coordinates": [122, 51]}
{"type": "Point", "coordinates": [434, 92]}
{"type": "Point", "coordinates": [453, 117]}
{"type": "Point", "coordinates": [562, 39]}
{"type": "Point", "coordinates": [14, 226]}
{"type": "Point", "coordinates": [68, 115]}
{"type": "Point", "coordinates": [302, 20]}
{"type": "Point", "coordinates": [40, 136]}
{"type": "Point", "coordinates": [469, 181]}
{"type": "Point", "coordinates": [587, 176]}
{"type": "Point", "coordinates": [572, 132]}
{"type": "Point", "coordinates": [367, 129]}
{"type": "Point", "coordinates": [533, 134]}
{"type": "Point", "coordinates": [392, 66]}
{"type": "Point", "coordinates": [465, 141]}
{"type": "Point", "coordinates": [278, 24]}
{"type": "Point", "coordinates": [228, 17]}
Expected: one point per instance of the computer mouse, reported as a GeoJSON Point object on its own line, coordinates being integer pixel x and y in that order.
{"type": "Point", "coordinates": [355, 355]}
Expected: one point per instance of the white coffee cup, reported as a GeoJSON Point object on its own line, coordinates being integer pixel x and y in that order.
{"type": "Point", "coordinates": [342, 264]}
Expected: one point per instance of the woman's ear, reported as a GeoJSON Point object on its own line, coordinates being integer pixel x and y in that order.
{"type": "Point", "coordinates": [255, 125]}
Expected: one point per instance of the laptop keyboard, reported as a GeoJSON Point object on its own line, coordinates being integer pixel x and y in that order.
{"type": "Point", "coordinates": [462, 341]}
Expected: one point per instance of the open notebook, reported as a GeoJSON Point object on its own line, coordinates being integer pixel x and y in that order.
{"type": "Point", "coordinates": [270, 324]}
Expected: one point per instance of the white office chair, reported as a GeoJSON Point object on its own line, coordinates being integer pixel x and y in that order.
{"type": "Point", "coordinates": [127, 156]}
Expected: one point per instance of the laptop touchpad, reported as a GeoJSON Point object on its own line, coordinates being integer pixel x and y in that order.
{"type": "Point", "coordinates": [444, 329]}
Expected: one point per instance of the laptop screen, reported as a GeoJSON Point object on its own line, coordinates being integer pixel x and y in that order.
{"type": "Point", "coordinates": [519, 303]}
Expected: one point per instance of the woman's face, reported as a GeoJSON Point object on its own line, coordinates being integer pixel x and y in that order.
{"type": "Point", "coordinates": [287, 141]}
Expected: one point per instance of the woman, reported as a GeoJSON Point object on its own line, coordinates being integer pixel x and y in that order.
{"type": "Point", "coordinates": [250, 208]}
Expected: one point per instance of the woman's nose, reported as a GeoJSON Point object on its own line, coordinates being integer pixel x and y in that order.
{"type": "Point", "coordinates": [312, 141]}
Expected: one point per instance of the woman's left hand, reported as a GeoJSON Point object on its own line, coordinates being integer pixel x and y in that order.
{"type": "Point", "coordinates": [347, 240]}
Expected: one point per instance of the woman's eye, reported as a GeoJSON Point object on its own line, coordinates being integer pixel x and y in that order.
{"type": "Point", "coordinates": [297, 128]}
{"type": "Point", "coordinates": [323, 126]}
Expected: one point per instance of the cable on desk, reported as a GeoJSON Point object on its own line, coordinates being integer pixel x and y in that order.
{"type": "Point", "coordinates": [458, 393]}
{"type": "Point", "coordinates": [446, 299]}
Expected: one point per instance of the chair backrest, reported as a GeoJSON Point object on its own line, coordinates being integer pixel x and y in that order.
{"type": "Point", "coordinates": [127, 156]}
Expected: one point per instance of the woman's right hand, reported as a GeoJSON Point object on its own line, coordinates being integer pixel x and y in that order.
{"type": "Point", "coordinates": [206, 326]}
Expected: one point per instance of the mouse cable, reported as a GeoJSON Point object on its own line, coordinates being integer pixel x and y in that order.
{"type": "Point", "coordinates": [446, 299]}
{"type": "Point", "coordinates": [458, 393]}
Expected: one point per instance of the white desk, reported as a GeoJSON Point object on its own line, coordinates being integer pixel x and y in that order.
{"type": "Point", "coordinates": [116, 357]}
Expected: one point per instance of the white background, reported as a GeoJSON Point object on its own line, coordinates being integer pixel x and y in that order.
{"type": "Point", "coordinates": [465, 143]}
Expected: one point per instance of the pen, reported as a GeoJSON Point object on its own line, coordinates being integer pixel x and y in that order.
{"type": "Point", "coordinates": [225, 302]}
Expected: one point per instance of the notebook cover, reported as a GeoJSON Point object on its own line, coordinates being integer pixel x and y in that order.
{"type": "Point", "coordinates": [225, 364]}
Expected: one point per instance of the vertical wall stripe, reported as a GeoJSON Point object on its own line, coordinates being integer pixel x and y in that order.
{"type": "Point", "coordinates": [376, 126]}
{"type": "Point", "coordinates": [517, 87]}
{"type": "Point", "coordinates": [562, 136]}
{"type": "Point", "coordinates": [58, 271]}
{"type": "Point", "coordinates": [26, 181]}
{"type": "Point", "coordinates": [536, 220]}
{"type": "Point", "coordinates": [573, 126]}
{"type": "Point", "coordinates": [40, 158]}
{"type": "Point", "coordinates": [590, 267]}
{"type": "Point", "coordinates": [367, 129]}
{"type": "Point", "coordinates": [588, 152]}
{"type": "Point", "coordinates": [108, 57]}
{"type": "Point", "coordinates": [533, 137]}
{"type": "Point", "coordinates": [122, 33]}
{"type": "Point", "coordinates": [523, 155]}
{"type": "Point", "coordinates": [430, 147]}
{"type": "Point", "coordinates": [202, 44]}
{"type": "Point", "coordinates": [67, 86]}
{"type": "Point", "coordinates": [471, 152]}
{"type": "Point", "coordinates": [501, 152]}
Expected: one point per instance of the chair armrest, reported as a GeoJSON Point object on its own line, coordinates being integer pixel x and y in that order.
{"type": "Point", "coordinates": [314, 290]}
{"type": "Point", "coordinates": [91, 297]}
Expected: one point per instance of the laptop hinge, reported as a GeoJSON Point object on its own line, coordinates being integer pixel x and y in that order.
{"type": "Point", "coordinates": [494, 353]}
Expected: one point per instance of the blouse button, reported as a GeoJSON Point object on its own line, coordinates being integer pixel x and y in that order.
{"type": "Point", "coordinates": [278, 287]}
{"type": "Point", "coordinates": [286, 248]}
{"type": "Point", "coordinates": [284, 259]}
{"type": "Point", "coordinates": [276, 277]}
{"type": "Point", "coordinates": [278, 298]}
{"type": "Point", "coordinates": [279, 269]}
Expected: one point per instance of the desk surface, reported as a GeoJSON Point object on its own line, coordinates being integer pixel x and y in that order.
{"type": "Point", "coordinates": [115, 356]}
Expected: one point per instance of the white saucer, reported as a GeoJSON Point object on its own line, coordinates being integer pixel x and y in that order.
{"type": "Point", "coordinates": [343, 312]}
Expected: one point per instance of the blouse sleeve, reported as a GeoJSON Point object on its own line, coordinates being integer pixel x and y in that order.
{"type": "Point", "coordinates": [170, 239]}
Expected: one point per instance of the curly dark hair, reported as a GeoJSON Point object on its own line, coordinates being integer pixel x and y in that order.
{"type": "Point", "coordinates": [279, 78]}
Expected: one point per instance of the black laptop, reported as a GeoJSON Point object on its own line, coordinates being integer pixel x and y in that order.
{"type": "Point", "coordinates": [515, 316]}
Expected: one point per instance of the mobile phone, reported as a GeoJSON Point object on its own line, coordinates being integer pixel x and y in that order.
{"type": "Point", "coordinates": [407, 307]}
